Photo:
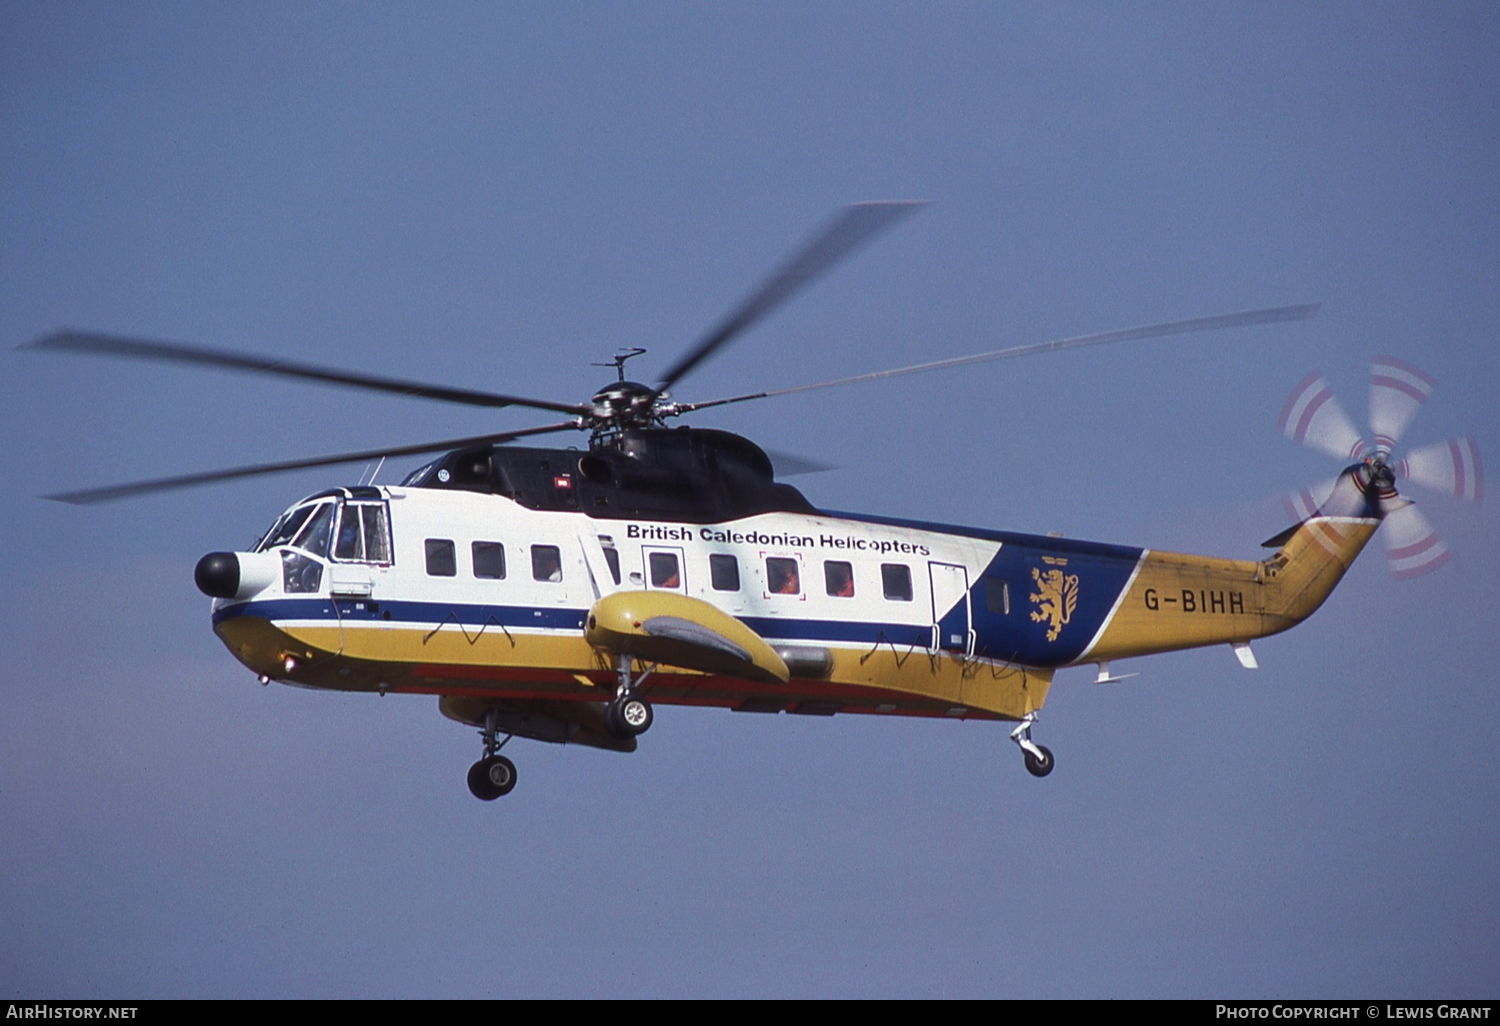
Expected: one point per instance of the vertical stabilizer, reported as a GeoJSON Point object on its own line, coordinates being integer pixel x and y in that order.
{"type": "Point", "coordinates": [1318, 552]}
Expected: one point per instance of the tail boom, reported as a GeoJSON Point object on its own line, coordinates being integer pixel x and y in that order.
{"type": "Point", "coordinates": [1178, 601]}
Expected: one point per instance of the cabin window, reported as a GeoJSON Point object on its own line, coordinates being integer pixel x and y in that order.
{"type": "Point", "coordinates": [364, 534]}
{"type": "Point", "coordinates": [442, 561]}
{"type": "Point", "coordinates": [782, 577]}
{"type": "Point", "coordinates": [314, 536]}
{"type": "Point", "coordinates": [895, 579]}
{"type": "Point", "coordinates": [838, 578]}
{"type": "Point", "coordinates": [489, 560]}
{"type": "Point", "coordinates": [665, 573]}
{"type": "Point", "coordinates": [546, 563]}
{"type": "Point", "coordinates": [611, 557]}
{"type": "Point", "coordinates": [996, 595]}
{"type": "Point", "coordinates": [724, 572]}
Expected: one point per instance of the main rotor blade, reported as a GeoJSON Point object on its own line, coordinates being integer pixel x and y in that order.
{"type": "Point", "coordinates": [1273, 315]}
{"type": "Point", "coordinates": [790, 464]}
{"type": "Point", "coordinates": [125, 491]}
{"type": "Point", "coordinates": [850, 227]}
{"type": "Point", "coordinates": [176, 352]}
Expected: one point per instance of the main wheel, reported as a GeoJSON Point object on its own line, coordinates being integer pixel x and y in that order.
{"type": "Point", "coordinates": [492, 777]}
{"type": "Point", "coordinates": [629, 716]}
{"type": "Point", "coordinates": [1038, 767]}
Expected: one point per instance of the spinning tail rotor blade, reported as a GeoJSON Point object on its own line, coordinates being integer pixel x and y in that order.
{"type": "Point", "coordinates": [1397, 392]}
{"type": "Point", "coordinates": [1305, 503]}
{"type": "Point", "coordinates": [125, 491]}
{"type": "Point", "coordinates": [1313, 417]}
{"type": "Point", "coordinates": [1412, 545]}
{"type": "Point", "coordinates": [850, 228]}
{"type": "Point", "coordinates": [1452, 467]}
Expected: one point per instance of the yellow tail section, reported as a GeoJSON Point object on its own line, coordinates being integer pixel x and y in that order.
{"type": "Point", "coordinates": [1180, 601]}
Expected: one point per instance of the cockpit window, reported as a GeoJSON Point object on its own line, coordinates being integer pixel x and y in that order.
{"type": "Point", "coordinates": [351, 544]}
{"type": "Point", "coordinates": [377, 532]}
{"type": "Point", "coordinates": [364, 534]}
{"type": "Point", "coordinates": [285, 529]}
{"type": "Point", "coordinates": [314, 536]}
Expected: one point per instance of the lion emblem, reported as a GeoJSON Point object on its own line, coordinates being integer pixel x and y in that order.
{"type": "Point", "coordinates": [1056, 597]}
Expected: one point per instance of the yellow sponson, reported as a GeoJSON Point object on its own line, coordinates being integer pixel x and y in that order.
{"type": "Point", "coordinates": [665, 627]}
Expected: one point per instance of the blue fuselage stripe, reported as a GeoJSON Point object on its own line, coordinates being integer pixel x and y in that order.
{"type": "Point", "coordinates": [425, 615]}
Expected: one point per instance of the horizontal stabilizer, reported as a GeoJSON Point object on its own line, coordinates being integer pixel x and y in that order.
{"type": "Point", "coordinates": [1105, 677]}
{"type": "Point", "coordinates": [1278, 540]}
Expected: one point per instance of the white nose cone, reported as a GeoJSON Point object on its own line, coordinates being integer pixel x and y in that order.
{"type": "Point", "coordinates": [236, 575]}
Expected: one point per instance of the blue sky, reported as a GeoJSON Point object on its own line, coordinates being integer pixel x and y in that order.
{"type": "Point", "coordinates": [497, 196]}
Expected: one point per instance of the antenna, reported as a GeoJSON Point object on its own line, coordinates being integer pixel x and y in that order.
{"type": "Point", "coordinates": [618, 363]}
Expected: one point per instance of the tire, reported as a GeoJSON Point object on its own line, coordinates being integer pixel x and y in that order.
{"type": "Point", "coordinates": [1039, 767]}
{"type": "Point", "coordinates": [479, 782]}
{"type": "Point", "coordinates": [491, 778]}
{"type": "Point", "coordinates": [502, 775]}
{"type": "Point", "coordinates": [628, 717]}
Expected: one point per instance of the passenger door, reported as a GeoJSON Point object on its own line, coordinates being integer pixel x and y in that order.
{"type": "Point", "coordinates": [952, 629]}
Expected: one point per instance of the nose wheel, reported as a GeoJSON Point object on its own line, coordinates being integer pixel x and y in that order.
{"type": "Point", "coordinates": [1038, 758]}
{"type": "Point", "coordinates": [493, 775]}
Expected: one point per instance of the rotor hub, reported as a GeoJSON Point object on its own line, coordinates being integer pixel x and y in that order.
{"type": "Point", "coordinates": [624, 399]}
{"type": "Point", "coordinates": [626, 404]}
{"type": "Point", "coordinates": [1378, 477]}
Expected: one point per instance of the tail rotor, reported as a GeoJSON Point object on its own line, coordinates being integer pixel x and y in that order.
{"type": "Point", "coordinates": [1312, 417]}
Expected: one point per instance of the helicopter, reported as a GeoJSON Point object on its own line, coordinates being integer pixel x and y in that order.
{"type": "Point", "coordinates": [558, 594]}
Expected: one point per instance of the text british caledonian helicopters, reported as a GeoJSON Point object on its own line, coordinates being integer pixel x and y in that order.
{"type": "Point", "coordinates": [556, 594]}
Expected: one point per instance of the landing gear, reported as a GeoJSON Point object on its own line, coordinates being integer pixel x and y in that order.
{"type": "Point", "coordinates": [493, 775]}
{"type": "Point", "coordinates": [628, 715]}
{"type": "Point", "coordinates": [1038, 758]}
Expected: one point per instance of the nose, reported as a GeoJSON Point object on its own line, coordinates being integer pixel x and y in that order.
{"type": "Point", "coordinates": [218, 575]}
